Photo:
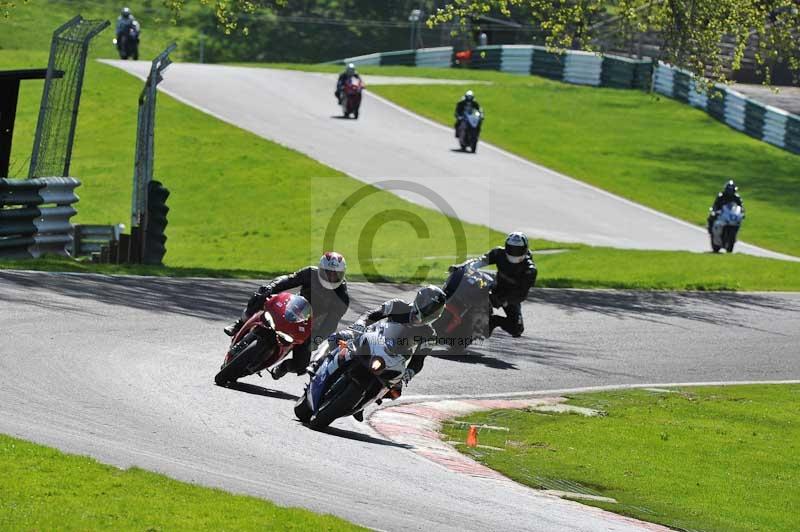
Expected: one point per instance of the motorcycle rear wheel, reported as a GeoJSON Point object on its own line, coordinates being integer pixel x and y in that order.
{"type": "Point", "coordinates": [237, 367]}
{"type": "Point", "coordinates": [336, 406]}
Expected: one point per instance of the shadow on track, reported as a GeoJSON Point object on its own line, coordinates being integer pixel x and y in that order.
{"type": "Point", "coordinates": [260, 390]}
{"type": "Point", "coordinates": [211, 299]}
{"type": "Point", "coordinates": [707, 307]}
{"type": "Point", "coordinates": [473, 357]}
{"type": "Point", "coordinates": [366, 438]}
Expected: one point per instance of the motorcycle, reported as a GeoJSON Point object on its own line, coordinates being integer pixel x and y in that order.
{"type": "Point", "coordinates": [350, 376]}
{"type": "Point", "coordinates": [726, 227]}
{"type": "Point", "coordinates": [128, 43]}
{"type": "Point", "coordinates": [469, 129]}
{"type": "Point", "coordinates": [468, 308]}
{"type": "Point", "coordinates": [351, 96]}
{"type": "Point", "coordinates": [267, 337]}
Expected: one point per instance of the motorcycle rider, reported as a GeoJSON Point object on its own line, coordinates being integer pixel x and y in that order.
{"type": "Point", "coordinates": [324, 287]}
{"type": "Point", "coordinates": [467, 100]}
{"type": "Point", "coordinates": [729, 194]}
{"type": "Point", "coordinates": [125, 22]}
{"type": "Point", "coordinates": [516, 274]}
{"type": "Point", "coordinates": [411, 332]}
{"type": "Point", "coordinates": [349, 72]}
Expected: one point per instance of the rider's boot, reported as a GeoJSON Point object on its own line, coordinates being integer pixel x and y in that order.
{"type": "Point", "coordinates": [233, 328]}
{"type": "Point", "coordinates": [359, 416]}
{"type": "Point", "coordinates": [280, 370]}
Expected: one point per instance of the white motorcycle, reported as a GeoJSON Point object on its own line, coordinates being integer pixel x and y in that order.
{"type": "Point", "coordinates": [726, 227]}
{"type": "Point", "coordinates": [469, 129]}
{"type": "Point", "coordinates": [348, 377]}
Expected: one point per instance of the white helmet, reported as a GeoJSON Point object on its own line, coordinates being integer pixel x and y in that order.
{"type": "Point", "coordinates": [351, 69]}
{"type": "Point", "coordinates": [469, 95]}
{"type": "Point", "coordinates": [332, 267]}
{"type": "Point", "coordinates": [516, 247]}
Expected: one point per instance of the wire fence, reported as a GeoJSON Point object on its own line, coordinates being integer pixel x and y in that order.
{"type": "Point", "coordinates": [58, 114]}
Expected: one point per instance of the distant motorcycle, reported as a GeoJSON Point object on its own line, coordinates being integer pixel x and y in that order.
{"type": "Point", "coordinates": [351, 96]}
{"type": "Point", "coordinates": [128, 43]}
{"type": "Point", "coordinates": [468, 308]}
{"type": "Point", "coordinates": [726, 227]}
{"type": "Point", "coordinates": [351, 376]}
{"type": "Point", "coordinates": [469, 129]}
{"type": "Point", "coordinates": [267, 337]}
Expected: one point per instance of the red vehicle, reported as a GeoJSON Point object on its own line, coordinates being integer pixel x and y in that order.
{"type": "Point", "coordinates": [351, 99]}
{"type": "Point", "coordinates": [267, 337]}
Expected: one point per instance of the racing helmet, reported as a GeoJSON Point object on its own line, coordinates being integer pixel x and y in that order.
{"type": "Point", "coordinates": [469, 95]}
{"type": "Point", "coordinates": [125, 13]}
{"type": "Point", "coordinates": [331, 271]}
{"type": "Point", "coordinates": [297, 309]}
{"type": "Point", "coordinates": [730, 188]}
{"type": "Point", "coordinates": [516, 247]}
{"type": "Point", "coordinates": [428, 305]}
{"type": "Point", "coordinates": [350, 70]}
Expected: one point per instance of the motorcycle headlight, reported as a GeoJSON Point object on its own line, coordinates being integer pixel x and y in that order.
{"type": "Point", "coordinates": [377, 365]}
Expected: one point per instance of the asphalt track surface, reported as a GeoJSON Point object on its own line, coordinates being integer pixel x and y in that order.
{"type": "Point", "coordinates": [493, 188]}
{"type": "Point", "coordinates": [121, 368]}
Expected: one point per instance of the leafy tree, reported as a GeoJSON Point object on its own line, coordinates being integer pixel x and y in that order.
{"type": "Point", "coordinates": [703, 36]}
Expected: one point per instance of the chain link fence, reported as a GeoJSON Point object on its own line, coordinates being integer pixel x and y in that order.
{"type": "Point", "coordinates": [58, 114]}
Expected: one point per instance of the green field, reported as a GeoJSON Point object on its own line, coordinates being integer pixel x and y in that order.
{"type": "Point", "coordinates": [713, 459]}
{"type": "Point", "coordinates": [655, 151]}
{"type": "Point", "coordinates": [247, 207]}
{"type": "Point", "coordinates": [44, 489]}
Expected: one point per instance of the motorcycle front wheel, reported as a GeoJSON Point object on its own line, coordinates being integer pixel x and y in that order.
{"type": "Point", "coordinates": [336, 405]}
{"type": "Point", "coordinates": [238, 366]}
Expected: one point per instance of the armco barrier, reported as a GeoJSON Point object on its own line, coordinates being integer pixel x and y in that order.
{"type": "Point", "coordinates": [28, 226]}
{"type": "Point", "coordinates": [435, 57]}
{"type": "Point", "coordinates": [583, 68]}
{"type": "Point", "coordinates": [516, 59]}
{"type": "Point", "coordinates": [754, 118]}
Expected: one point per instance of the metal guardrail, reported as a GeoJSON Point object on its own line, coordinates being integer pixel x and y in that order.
{"type": "Point", "coordinates": [101, 242]}
{"type": "Point", "coordinates": [764, 122]}
{"type": "Point", "coordinates": [571, 66]}
{"type": "Point", "coordinates": [35, 216]}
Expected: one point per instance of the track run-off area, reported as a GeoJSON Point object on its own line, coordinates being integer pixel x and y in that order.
{"type": "Point", "coordinates": [121, 368]}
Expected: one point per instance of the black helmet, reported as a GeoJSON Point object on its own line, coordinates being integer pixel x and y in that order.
{"type": "Point", "coordinates": [516, 247]}
{"type": "Point", "coordinates": [730, 188]}
{"type": "Point", "coordinates": [428, 305]}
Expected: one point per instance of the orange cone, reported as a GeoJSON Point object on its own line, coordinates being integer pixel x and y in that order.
{"type": "Point", "coordinates": [472, 436]}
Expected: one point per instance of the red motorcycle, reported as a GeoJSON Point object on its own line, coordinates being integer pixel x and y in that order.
{"type": "Point", "coordinates": [351, 96]}
{"type": "Point", "coordinates": [267, 337]}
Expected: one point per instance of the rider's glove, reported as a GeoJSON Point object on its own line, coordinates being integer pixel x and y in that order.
{"type": "Point", "coordinates": [408, 375]}
{"type": "Point", "coordinates": [452, 268]}
{"type": "Point", "coordinates": [359, 326]}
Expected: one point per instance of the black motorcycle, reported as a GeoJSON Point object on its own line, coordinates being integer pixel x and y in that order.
{"type": "Point", "coordinates": [128, 43]}
{"type": "Point", "coordinates": [466, 314]}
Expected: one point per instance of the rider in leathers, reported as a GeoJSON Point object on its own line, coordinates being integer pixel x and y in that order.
{"type": "Point", "coordinates": [728, 194]}
{"type": "Point", "coordinates": [350, 71]}
{"type": "Point", "coordinates": [516, 274]}
{"type": "Point", "coordinates": [468, 99]}
{"type": "Point", "coordinates": [408, 327]}
{"type": "Point", "coordinates": [325, 288]}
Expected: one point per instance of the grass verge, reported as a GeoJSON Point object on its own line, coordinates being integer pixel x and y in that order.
{"type": "Point", "coordinates": [716, 458]}
{"type": "Point", "coordinates": [44, 489]}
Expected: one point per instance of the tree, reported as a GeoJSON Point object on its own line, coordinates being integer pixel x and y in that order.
{"type": "Point", "coordinates": [706, 37]}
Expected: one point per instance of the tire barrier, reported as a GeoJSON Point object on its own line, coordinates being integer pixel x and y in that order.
{"type": "Point", "coordinates": [760, 121]}
{"type": "Point", "coordinates": [95, 239]}
{"type": "Point", "coordinates": [570, 66]}
{"type": "Point", "coordinates": [35, 216]}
